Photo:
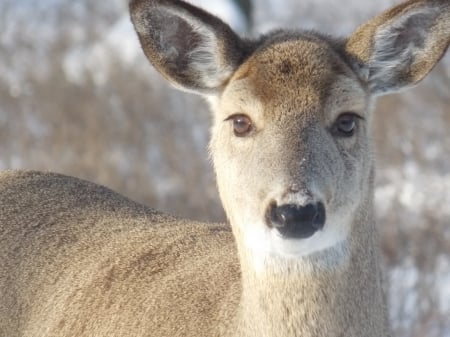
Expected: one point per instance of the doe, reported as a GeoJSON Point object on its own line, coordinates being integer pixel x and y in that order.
{"type": "Point", "coordinates": [293, 156]}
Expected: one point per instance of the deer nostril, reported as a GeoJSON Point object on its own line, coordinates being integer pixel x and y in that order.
{"type": "Point", "coordinates": [294, 221]}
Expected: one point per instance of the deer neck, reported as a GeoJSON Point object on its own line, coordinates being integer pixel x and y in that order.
{"type": "Point", "coordinates": [336, 292]}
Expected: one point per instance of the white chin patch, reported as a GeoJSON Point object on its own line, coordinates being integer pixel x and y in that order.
{"type": "Point", "coordinates": [263, 240]}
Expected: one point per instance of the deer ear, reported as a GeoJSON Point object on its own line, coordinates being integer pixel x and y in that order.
{"type": "Point", "coordinates": [401, 46]}
{"type": "Point", "coordinates": [192, 49]}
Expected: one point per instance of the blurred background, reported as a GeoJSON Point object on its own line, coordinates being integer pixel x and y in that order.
{"type": "Point", "coordinates": [78, 97]}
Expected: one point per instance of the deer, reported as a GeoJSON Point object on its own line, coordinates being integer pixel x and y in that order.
{"type": "Point", "coordinates": [294, 161]}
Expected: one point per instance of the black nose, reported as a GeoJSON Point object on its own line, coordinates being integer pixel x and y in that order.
{"type": "Point", "coordinates": [297, 222]}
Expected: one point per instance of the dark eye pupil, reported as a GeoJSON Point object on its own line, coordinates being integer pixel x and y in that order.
{"type": "Point", "coordinates": [242, 125]}
{"type": "Point", "coordinates": [346, 125]}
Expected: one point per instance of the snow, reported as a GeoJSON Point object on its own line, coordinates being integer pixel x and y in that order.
{"type": "Point", "coordinates": [404, 303]}
{"type": "Point", "coordinates": [418, 192]}
{"type": "Point", "coordinates": [120, 44]}
{"type": "Point", "coordinates": [227, 10]}
{"type": "Point", "coordinates": [442, 280]}
{"type": "Point", "coordinates": [316, 14]}
{"type": "Point", "coordinates": [403, 299]}
{"type": "Point", "coordinates": [36, 127]}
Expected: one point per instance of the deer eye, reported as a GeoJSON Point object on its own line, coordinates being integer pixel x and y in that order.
{"type": "Point", "coordinates": [346, 124]}
{"type": "Point", "coordinates": [242, 125]}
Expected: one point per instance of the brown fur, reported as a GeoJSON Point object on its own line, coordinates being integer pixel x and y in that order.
{"type": "Point", "coordinates": [80, 260]}
{"type": "Point", "coordinates": [77, 259]}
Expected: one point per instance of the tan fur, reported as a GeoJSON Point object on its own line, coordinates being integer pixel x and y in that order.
{"type": "Point", "coordinates": [80, 260]}
{"type": "Point", "coordinates": [77, 259]}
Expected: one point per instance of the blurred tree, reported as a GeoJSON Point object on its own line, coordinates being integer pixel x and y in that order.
{"type": "Point", "coordinates": [247, 8]}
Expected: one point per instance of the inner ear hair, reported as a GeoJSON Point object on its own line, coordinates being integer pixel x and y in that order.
{"type": "Point", "coordinates": [193, 49]}
{"type": "Point", "coordinates": [400, 47]}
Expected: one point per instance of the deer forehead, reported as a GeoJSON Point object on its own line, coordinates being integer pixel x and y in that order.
{"type": "Point", "coordinates": [295, 78]}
